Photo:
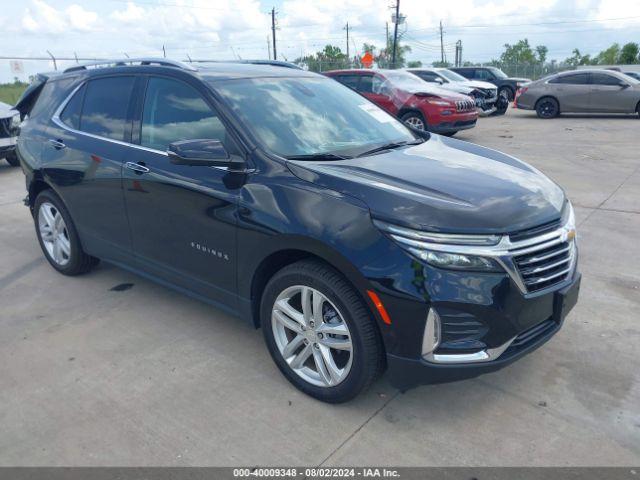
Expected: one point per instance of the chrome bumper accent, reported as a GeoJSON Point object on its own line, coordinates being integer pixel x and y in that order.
{"type": "Point", "coordinates": [476, 357]}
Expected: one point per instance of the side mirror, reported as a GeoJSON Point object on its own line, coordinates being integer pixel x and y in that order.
{"type": "Point", "coordinates": [439, 80]}
{"type": "Point", "coordinates": [203, 153]}
{"type": "Point", "coordinates": [624, 86]}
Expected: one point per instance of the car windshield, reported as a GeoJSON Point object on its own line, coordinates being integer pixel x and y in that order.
{"type": "Point", "coordinates": [310, 116]}
{"type": "Point", "coordinates": [498, 73]}
{"type": "Point", "coordinates": [453, 76]}
{"type": "Point", "coordinates": [405, 81]}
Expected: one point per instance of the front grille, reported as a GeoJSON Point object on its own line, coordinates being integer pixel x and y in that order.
{"type": "Point", "coordinates": [465, 105]}
{"type": "Point", "coordinates": [544, 263]}
{"type": "Point", "coordinates": [535, 231]}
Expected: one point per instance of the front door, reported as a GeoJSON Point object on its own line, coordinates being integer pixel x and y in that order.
{"type": "Point", "coordinates": [374, 88]}
{"type": "Point", "coordinates": [610, 94]}
{"type": "Point", "coordinates": [182, 218]}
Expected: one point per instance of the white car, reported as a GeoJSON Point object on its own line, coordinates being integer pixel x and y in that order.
{"type": "Point", "coordinates": [9, 121]}
{"type": "Point", "coordinates": [485, 94]}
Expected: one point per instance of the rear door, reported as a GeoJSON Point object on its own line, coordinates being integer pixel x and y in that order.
{"type": "Point", "coordinates": [572, 91]}
{"type": "Point", "coordinates": [611, 94]}
{"type": "Point", "coordinates": [374, 87]}
{"type": "Point", "coordinates": [82, 158]}
{"type": "Point", "coordinates": [182, 218]}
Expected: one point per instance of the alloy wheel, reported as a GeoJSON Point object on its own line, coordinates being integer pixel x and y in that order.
{"type": "Point", "coordinates": [54, 234]}
{"type": "Point", "coordinates": [415, 122]}
{"type": "Point", "coordinates": [312, 336]}
{"type": "Point", "coordinates": [547, 109]}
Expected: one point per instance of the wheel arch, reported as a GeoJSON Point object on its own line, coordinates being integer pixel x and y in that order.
{"type": "Point", "coordinates": [36, 186]}
{"type": "Point", "coordinates": [277, 259]}
{"type": "Point", "coordinates": [411, 109]}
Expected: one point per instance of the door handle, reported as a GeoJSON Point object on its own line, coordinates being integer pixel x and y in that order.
{"type": "Point", "coordinates": [136, 167]}
{"type": "Point", "coordinates": [57, 144]}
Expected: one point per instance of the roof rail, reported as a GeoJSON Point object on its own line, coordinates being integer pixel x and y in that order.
{"type": "Point", "coordinates": [273, 63]}
{"type": "Point", "coordinates": [132, 61]}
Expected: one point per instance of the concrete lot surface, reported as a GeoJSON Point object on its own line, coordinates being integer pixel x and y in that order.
{"type": "Point", "coordinates": [146, 376]}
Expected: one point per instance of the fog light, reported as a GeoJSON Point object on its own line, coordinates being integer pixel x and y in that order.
{"type": "Point", "coordinates": [431, 338]}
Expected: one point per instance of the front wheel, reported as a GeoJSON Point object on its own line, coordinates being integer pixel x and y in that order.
{"type": "Point", "coordinates": [58, 236]}
{"type": "Point", "coordinates": [507, 93]}
{"type": "Point", "coordinates": [547, 107]}
{"type": "Point", "coordinates": [319, 332]}
{"type": "Point", "coordinates": [12, 159]}
{"type": "Point", "coordinates": [415, 120]}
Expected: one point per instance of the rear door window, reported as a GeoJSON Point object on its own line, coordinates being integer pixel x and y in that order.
{"type": "Point", "coordinates": [350, 81]}
{"type": "Point", "coordinates": [428, 76]}
{"type": "Point", "coordinates": [106, 102]}
{"type": "Point", "coordinates": [573, 79]}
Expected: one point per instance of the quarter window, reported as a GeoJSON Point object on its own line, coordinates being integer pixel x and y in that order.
{"type": "Point", "coordinates": [70, 116]}
{"type": "Point", "coordinates": [350, 81]}
{"type": "Point", "coordinates": [174, 111]}
{"type": "Point", "coordinates": [106, 102]}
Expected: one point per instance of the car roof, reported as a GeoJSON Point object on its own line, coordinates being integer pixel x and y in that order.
{"type": "Point", "coordinates": [207, 71]}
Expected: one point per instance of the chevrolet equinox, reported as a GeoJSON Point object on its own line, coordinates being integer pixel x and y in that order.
{"type": "Point", "coordinates": [357, 243]}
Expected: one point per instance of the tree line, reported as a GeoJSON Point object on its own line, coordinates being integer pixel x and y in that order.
{"type": "Point", "coordinates": [519, 53]}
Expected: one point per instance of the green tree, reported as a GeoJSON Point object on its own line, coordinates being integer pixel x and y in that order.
{"type": "Point", "coordinates": [629, 54]}
{"type": "Point", "coordinates": [329, 58]}
{"type": "Point", "coordinates": [441, 64]}
{"type": "Point", "coordinates": [542, 52]}
{"type": "Point", "coordinates": [414, 64]}
{"type": "Point", "coordinates": [610, 56]}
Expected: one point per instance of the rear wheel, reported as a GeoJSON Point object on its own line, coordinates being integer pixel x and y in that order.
{"type": "Point", "coordinates": [58, 236]}
{"type": "Point", "coordinates": [547, 107]}
{"type": "Point", "coordinates": [415, 120]}
{"type": "Point", "coordinates": [638, 109]}
{"type": "Point", "coordinates": [319, 332]}
{"type": "Point", "coordinates": [12, 159]}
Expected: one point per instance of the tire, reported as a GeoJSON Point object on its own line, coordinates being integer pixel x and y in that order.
{"type": "Point", "coordinates": [415, 120]}
{"type": "Point", "coordinates": [638, 109]}
{"type": "Point", "coordinates": [341, 308]}
{"type": "Point", "coordinates": [547, 107]}
{"type": "Point", "coordinates": [64, 252]}
{"type": "Point", "coordinates": [12, 159]}
{"type": "Point", "coordinates": [507, 92]}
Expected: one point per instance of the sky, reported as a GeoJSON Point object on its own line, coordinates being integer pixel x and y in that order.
{"type": "Point", "coordinates": [226, 29]}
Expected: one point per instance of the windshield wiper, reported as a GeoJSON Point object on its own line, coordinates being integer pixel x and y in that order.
{"type": "Point", "coordinates": [318, 156]}
{"type": "Point", "coordinates": [390, 146]}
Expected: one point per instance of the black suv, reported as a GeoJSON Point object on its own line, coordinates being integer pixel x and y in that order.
{"type": "Point", "coordinates": [286, 198]}
{"type": "Point", "coordinates": [507, 86]}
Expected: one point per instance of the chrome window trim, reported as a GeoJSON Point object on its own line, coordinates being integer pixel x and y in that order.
{"type": "Point", "coordinates": [58, 121]}
{"type": "Point", "coordinates": [503, 252]}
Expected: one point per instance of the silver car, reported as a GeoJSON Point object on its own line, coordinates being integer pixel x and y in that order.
{"type": "Point", "coordinates": [591, 91]}
{"type": "Point", "coordinates": [485, 94]}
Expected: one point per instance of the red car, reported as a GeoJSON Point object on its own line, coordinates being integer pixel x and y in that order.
{"type": "Point", "coordinates": [412, 100]}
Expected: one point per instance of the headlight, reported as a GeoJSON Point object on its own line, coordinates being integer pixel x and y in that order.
{"type": "Point", "coordinates": [15, 122]}
{"type": "Point", "coordinates": [457, 261]}
{"type": "Point", "coordinates": [442, 250]}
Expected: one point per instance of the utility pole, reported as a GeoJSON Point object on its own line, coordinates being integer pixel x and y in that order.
{"type": "Point", "coordinates": [387, 38]}
{"type": "Point", "coordinates": [269, 46]}
{"type": "Point", "coordinates": [395, 35]}
{"type": "Point", "coordinates": [347, 29]}
{"type": "Point", "coordinates": [441, 44]}
{"type": "Point", "coordinates": [459, 53]}
{"type": "Point", "coordinates": [273, 32]}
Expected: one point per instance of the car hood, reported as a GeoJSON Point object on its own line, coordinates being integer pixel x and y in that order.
{"type": "Point", "coordinates": [6, 110]}
{"type": "Point", "coordinates": [520, 80]}
{"type": "Point", "coordinates": [458, 87]}
{"type": "Point", "coordinates": [480, 84]}
{"type": "Point", "coordinates": [443, 185]}
{"type": "Point", "coordinates": [439, 91]}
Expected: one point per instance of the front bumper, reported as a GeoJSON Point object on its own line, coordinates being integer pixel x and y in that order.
{"type": "Point", "coordinates": [537, 320]}
{"type": "Point", "coordinates": [7, 146]}
{"type": "Point", "coordinates": [454, 126]}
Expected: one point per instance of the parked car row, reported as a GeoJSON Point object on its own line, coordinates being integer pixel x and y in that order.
{"type": "Point", "coordinates": [9, 125]}
{"type": "Point", "coordinates": [581, 91]}
{"type": "Point", "coordinates": [357, 243]}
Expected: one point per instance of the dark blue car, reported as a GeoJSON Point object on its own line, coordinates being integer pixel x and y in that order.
{"type": "Point", "coordinates": [356, 243]}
